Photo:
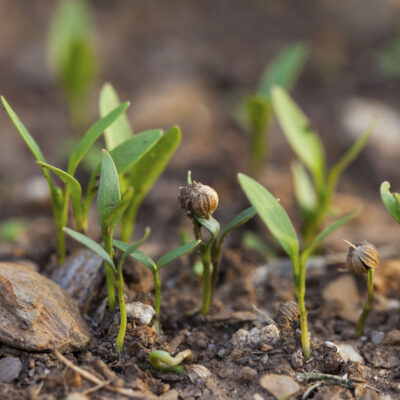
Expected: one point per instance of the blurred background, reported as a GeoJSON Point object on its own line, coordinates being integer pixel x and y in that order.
{"type": "Point", "coordinates": [193, 63]}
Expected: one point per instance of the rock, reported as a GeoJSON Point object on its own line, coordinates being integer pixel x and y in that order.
{"type": "Point", "coordinates": [142, 313]}
{"type": "Point", "coordinates": [343, 298]}
{"type": "Point", "coordinates": [348, 353]}
{"type": "Point", "coordinates": [391, 337]}
{"type": "Point", "coordinates": [246, 375]}
{"type": "Point", "coordinates": [377, 337]}
{"type": "Point", "coordinates": [297, 359]}
{"type": "Point", "coordinates": [80, 276]}
{"type": "Point", "coordinates": [268, 335]}
{"type": "Point", "coordinates": [36, 314]}
{"type": "Point", "coordinates": [10, 368]}
{"type": "Point", "coordinates": [281, 386]}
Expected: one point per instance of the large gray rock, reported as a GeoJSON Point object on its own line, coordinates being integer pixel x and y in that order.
{"type": "Point", "coordinates": [36, 314]}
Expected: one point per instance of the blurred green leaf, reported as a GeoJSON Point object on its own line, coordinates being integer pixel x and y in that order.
{"type": "Point", "coordinates": [284, 69]}
{"type": "Point", "coordinates": [391, 201]}
{"type": "Point", "coordinates": [176, 253]}
{"type": "Point", "coordinates": [109, 194]}
{"type": "Point", "coordinates": [115, 215]}
{"type": "Point", "coordinates": [90, 244]}
{"type": "Point", "coordinates": [92, 135]}
{"type": "Point", "coordinates": [240, 219]}
{"type": "Point", "coordinates": [11, 228]}
{"type": "Point", "coordinates": [144, 259]}
{"type": "Point", "coordinates": [211, 224]}
{"type": "Point", "coordinates": [121, 130]}
{"type": "Point", "coordinates": [272, 214]}
{"type": "Point", "coordinates": [303, 140]}
{"type": "Point", "coordinates": [303, 188]}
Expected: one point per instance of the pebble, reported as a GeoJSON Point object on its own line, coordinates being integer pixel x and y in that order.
{"type": "Point", "coordinates": [36, 314]}
{"type": "Point", "coordinates": [246, 375]}
{"type": "Point", "coordinates": [140, 312]}
{"type": "Point", "coordinates": [348, 353]}
{"type": "Point", "coordinates": [391, 337]}
{"type": "Point", "coordinates": [377, 337]}
{"type": "Point", "coordinates": [268, 335]}
{"type": "Point", "coordinates": [10, 368]}
{"type": "Point", "coordinates": [280, 386]}
{"type": "Point", "coordinates": [297, 359]}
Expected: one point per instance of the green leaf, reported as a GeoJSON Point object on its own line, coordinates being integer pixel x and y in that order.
{"type": "Point", "coordinates": [115, 215]}
{"type": "Point", "coordinates": [127, 248]}
{"type": "Point", "coordinates": [144, 259]}
{"type": "Point", "coordinates": [284, 69]}
{"type": "Point", "coordinates": [272, 214]}
{"type": "Point", "coordinates": [240, 219]}
{"type": "Point", "coordinates": [327, 231]}
{"type": "Point", "coordinates": [211, 224]}
{"type": "Point", "coordinates": [128, 153]}
{"type": "Point", "coordinates": [109, 194]}
{"type": "Point", "coordinates": [90, 244]}
{"type": "Point", "coordinates": [121, 130]}
{"type": "Point", "coordinates": [349, 156]}
{"type": "Point", "coordinates": [303, 188]}
{"type": "Point", "coordinates": [391, 201]}
{"type": "Point", "coordinates": [176, 253]}
{"type": "Point", "coordinates": [74, 186]}
{"type": "Point", "coordinates": [92, 135]}
{"type": "Point", "coordinates": [29, 140]}
{"type": "Point", "coordinates": [303, 140]}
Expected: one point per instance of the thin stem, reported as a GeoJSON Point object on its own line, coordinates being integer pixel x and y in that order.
{"type": "Point", "coordinates": [215, 261]}
{"type": "Point", "coordinates": [61, 245]}
{"type": "Point", "coordinates": [122, 310]}
{"type": "Point", "coordinates": [205, 251]}
{"type": "Point", "coordinates": [107, 236]}
{"type": "Point", "coordinates": [157, 294]}
{"type": "Point", "coordinates": [368, 304]}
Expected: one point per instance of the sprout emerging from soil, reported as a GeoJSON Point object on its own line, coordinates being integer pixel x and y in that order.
{"type": "Point", "coordinates": [363, 258]}
{"type": "Point", "coordinates": [278, 222]}
{"type": "Point", "coordinates": [199, 202]}
{"type": "Point", "coordinates": [163, 361]}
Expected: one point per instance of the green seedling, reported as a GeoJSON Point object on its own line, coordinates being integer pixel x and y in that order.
{"type": "Point", "coordinates": [163, 361]}
{"type": "Point", "coordinates": [283, 70]}
{"type": "Point", "coordinates": [199, 201]}
{"type": "Point", "coordinates": [314, 196]}
{"type": "Point", "coordinates": [391, 201]}
{"type": "Point", "coordinates": [155, 267]}
{"type": "Point", "coordinates": [73, 57]}
{"type": "Point", "coordinates": [278, 222]}
{"type": "Point", "coordinates": [143, 175]}
{"type": "Point", "coordinates": [60, 198]}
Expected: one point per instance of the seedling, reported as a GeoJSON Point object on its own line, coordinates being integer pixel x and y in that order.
{"type": "Point", "coordinates": [73, 57]}
{"type": "Point", "coordinates": [362, 259]}
{"type": "Point", "coordinates": [155, 267]}
{"type": "Point", "coordinates": [200, 201]}
{"type": "Point", "coordinates": [59, 197]}
{"type": "Point", "coordinates": [163, 361]}
{"type": "Point", "coordinates": [314, 196]}
{"type": "Point", "coordinates": [278, 222]}
{"type": "Point", "coordinates": [391, 201]}
{"type": "Point", "coordinates": [283, 70]}
{"type": "Point", "coordinates": [142, 175]}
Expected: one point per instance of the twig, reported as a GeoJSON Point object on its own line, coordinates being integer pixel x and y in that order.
{"type": "Point", "coordinates": [96, 388]}
{"type": "Point", "coordinates": [310, 389]}
{"type": "Point", "coordinates": [94, 379]}
{"type": "Point", "coordinates": [337, 380]}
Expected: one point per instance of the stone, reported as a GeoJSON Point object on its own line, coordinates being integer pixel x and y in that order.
{"type": "Point", "coordinates": [142, 313]}
{"type": "Point", "coordinates": [10, 368]}
{"type": "Point", "coordinates": [36, 314]}
{"type": "Point", "coordinates": [391, 337]}
{"type": "Point", "coordinates": [255, 337]}
{"type": "Point", "coordinates": [80, 276]}
{"type": "Point", "coordinates": [280, 386]}
{"type": "Point", "coordinates": [246, 375]}
{"type": "Point", "coordinates": [348, 353]}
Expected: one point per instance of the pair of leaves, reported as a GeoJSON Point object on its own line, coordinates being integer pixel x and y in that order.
{"type": "Point", "coordinates": [163, 261]}
{"type": "Point", "coordinates": [391, 201]}
{"type": "Point", "coordinates": [278, 222]}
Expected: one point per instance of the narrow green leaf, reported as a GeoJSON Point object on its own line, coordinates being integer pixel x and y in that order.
{"type": "Point", "coordinates": [391, 201]}
{"type": "Point", "coordinates": [211, 224]}
{"type": "Point", "coordinates": [92, 135]}
{"type": "Point", "coordinates": [90, 244]}
{"type": "Point", "coordinates": [128, 153]}
{"type": "Point", "coordinates": [144, 259]}
{"type": "Point", "coordinates": [240, 219]}
{"type": "Point", "coordinates": [327, 231]}
{"type": "Point", "coordinates": [176, 253]}
{"type": "Point", "coordinates": [74, 186]}
{"type": "Point", "coordinates": [303, 140]}
{"type": "Point", "coordinates": [29, 140]}
{"type": "Point", "coordinates": [115, 215]}
{"type": "Point", "coordinates": [127, 248]}
{"type": "Point", "coordinates": [349, 156]}
{"type": "Point", "coordinates": [272, 213]}
{"type": "Point", "coordinates": [120, 130]}
{"type": "Point", "coordinates": [109, 194]}
{"type": "Point", "coordinates": [303, 188]}
{"type": "Point", "coordinates": [284, 69]}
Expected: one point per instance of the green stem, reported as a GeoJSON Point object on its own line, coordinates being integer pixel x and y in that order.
{"type": "Point", "coordinates": [157, 294]}
{"type": "Point", "coordinates": [107, 237]}
{"type": "Point", "coordinates": [61, 244]}
{"type": "Point", "coordinates": [122, 310]}
{"type": "Point", "coordinates": [215, 262]}
{"type": "Point", "coordinates": [368, 304]}
{"type": "Point", "coordinates": [205, 251]}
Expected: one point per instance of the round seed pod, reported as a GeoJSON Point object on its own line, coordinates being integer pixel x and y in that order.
{"type": "Point", "coordinates": [361, 257]}
{"type": "Point", "coordinates": [198, 199]}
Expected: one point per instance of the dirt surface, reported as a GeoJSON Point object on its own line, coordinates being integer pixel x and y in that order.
{"type": "Point", "coordinates": [188, 63]}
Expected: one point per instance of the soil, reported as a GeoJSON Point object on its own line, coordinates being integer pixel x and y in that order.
{"type": "Point", "coordinates": [183, 78]}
